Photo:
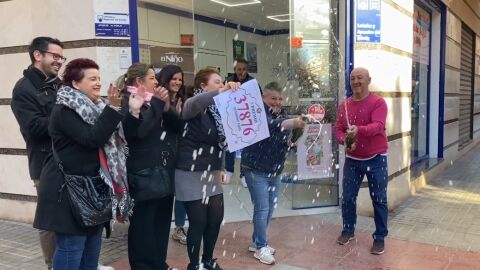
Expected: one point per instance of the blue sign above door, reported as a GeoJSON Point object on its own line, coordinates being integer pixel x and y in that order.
{"type": "Point", "coordinates": [112, 25]}
{"type": "Point", "coordinates": [367, 22]}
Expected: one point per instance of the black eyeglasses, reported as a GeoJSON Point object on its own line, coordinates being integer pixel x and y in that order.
{"type": "Point", "coordinates": [56, 56]}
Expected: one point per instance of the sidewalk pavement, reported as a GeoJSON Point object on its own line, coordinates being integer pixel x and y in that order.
{"type": "Point", "coordinates": [438, 228]}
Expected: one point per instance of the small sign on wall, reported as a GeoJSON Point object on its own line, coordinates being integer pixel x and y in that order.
{"type": "Point", "coordinates": [125, 59]}
{"type": "Point", "coordinates": [296, 42]}
{"type": "Point", "coordinates": [238, 49]}
{"type": "Point", "coordinates": [112, 24]}
{"type": "Point", "coordinates": [186, 40]}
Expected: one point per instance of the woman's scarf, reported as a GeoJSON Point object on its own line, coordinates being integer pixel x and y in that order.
{"type": "Point", "coordinates": [213, 111]}
{"type": "Point", "coordinates": [112, 156]}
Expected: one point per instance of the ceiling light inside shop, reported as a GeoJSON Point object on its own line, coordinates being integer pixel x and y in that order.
{"type": "Point", "coordinates": [236, 3]}
{"type": "Point", "coordinates": [280, 18]}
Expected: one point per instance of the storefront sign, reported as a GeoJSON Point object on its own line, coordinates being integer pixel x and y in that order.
{"type": "Point", "coordinates": [367, 24]}
{"type": "Point", "coordinates": [317, 112]}
{"type": "Point", "coordinates": [421, 36]}
{"type": "Point", "coordinates": [182, 57]}
{"type": "Point", "coordinates": [243, 116]}
{"type": "Point", "coordinates": [314, 152]}
{"type": "Point", "coordinates": [112, 25]}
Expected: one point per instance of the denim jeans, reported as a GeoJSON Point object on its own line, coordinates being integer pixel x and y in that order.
{"type": "Point", "coordinates": [77, 252]}
{"type": "Point", "coordinates": [180, 214]}
{"type": "Point", "coordinates": [377, 174]}
{"type": "Point", "coordinates": [264, 192]}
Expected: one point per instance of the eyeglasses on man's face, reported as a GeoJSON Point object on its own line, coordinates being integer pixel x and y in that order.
{"type": "Point", "coordinates": [56, 56]}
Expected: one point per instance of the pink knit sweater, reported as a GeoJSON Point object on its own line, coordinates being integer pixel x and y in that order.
{"type": "Point", "coordinates": [369, 115]}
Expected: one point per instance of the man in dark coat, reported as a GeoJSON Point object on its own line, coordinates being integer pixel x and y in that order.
{"type": "Point", "coordinates": [32, 101]}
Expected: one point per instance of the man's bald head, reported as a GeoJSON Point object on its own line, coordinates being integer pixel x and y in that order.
{"type": "Point", "coordinates": [360, 70]}
{"type": "Point", "coordinates": [359, 82]}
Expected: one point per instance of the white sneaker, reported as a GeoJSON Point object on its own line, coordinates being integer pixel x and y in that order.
{"type": "Point", "coordinates": [252, 248]}
{"type": "Point", "coordinates": [103, 267]}
{"type": "Point", "coordinates": [228, 178]}
{"type": "Point", "coordinates": [264, 256]}
{"type": "Point", "coordinates": [244, 182]}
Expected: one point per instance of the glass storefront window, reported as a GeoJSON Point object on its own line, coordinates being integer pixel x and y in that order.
{"type": "Point", "coordinates": [420, 82]}
{"type": "Point", "coordinates": [292, 42]}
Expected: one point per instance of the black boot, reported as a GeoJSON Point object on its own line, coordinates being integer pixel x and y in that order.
{"type": "Point", "coordinates": [192, 266]}
{"type": "Point", "coordinates": [211, 264]}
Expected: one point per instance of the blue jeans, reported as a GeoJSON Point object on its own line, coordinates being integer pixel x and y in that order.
{"type": "Point", "coordinates": [180, 214]}
{"type": "Point", "coordinates": [77, 252]}
{"type": "Point", "coordinates": [377, 174]}
{"type": "Point", "coordinates": [264, 192]}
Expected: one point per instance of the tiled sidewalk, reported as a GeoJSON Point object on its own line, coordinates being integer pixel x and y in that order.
{"type": "Point", "coordinates": [309, 242]}
{"type": "Point", "coordinates": [438, 228]}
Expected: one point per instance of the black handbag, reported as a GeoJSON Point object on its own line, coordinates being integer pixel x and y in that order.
{"type": "Point", "coordinates": [150, 183]}
{"type": "Point", "coordinates": [90, 198]}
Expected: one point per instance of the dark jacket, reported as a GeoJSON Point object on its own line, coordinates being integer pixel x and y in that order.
{"type": "Point", "coordinates": [32, 100]}
{"type": "Point", "coordinates": [268, 156]}
{"type": "Point", "coordinates": [77, 144]}
{"type": "Point", "coordinates": [200, 136]}
{"type": "Point", "coordinates": [144, 135]}
{"type": "Point", "coordinates": [234, 78]}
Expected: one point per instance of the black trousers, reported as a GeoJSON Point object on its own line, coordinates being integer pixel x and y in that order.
{"type": "Point", "coordinates": [204, 223]}
{"type": "Point", "coordinates": [148, 234]}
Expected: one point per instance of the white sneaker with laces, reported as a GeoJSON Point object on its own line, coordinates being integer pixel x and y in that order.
{"type": "Point", "coordinates": [252, 248]}
{"type": "Point", "coordinates": [264, 255]}
{"type": "Point", "coordinates": [228, 177]}
{"type": "Point", "coordinates": [104, 267]}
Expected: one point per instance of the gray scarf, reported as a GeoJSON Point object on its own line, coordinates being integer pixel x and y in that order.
{"type": "Point", "coordinates": [115, 176]}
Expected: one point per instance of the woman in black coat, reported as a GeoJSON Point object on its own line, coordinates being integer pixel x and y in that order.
{"type": "Point", "coordinates": [171, 77]}
{"type": "Point", "coordinates": [80, 126]}
{"type": "Point", "coordinates": [199, 169]}
{"type": "Point", "coordinates": [147, 131]}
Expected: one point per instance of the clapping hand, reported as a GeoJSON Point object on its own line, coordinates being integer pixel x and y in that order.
{"type": "Point", "coordinates": [135, 102]}
{"type": "Point", "coordinates": [179, 106]}
{"type": "Point", "coordinates": [114, 97]}
{"type": "Point", "coordinates": [162, 94]}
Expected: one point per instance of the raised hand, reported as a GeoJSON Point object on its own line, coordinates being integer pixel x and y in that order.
{"type": "Point", "coordinates": [162, 94]}
{"type": "Point", "coordinates": [135, 102]}
{"type": "Point", "coordinates": [234, 86]}
{"type": "Point", "coordinates": [114, 96]}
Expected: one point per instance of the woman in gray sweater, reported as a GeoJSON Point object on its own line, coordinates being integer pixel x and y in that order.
{"type": "Point", "coordinates": [200, 167]}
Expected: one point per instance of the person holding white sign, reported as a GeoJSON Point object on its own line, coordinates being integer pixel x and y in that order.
{"type": "Point", "coordinates": [200, 167]}
{"type": "Point", "coordinates": [262, 163]}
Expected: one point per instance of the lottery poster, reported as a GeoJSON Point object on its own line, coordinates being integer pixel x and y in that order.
{"type": "Point", "coordinates": [243, 116]}
{"type": "Point", "coordinates": [314, 152]}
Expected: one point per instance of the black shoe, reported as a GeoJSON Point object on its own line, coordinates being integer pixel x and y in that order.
{"type": "Point", "coordinates": [192, 266]}
{"type": "Point", "coordinates": [378, 247]}
{"type": "Point", "coordinates": [211, 264]}
{"type": "Point", "coordinates": [345, 238]}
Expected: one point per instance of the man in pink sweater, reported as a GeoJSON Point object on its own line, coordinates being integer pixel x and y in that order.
{"type": "Point", "coordinates": [360, 127]}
